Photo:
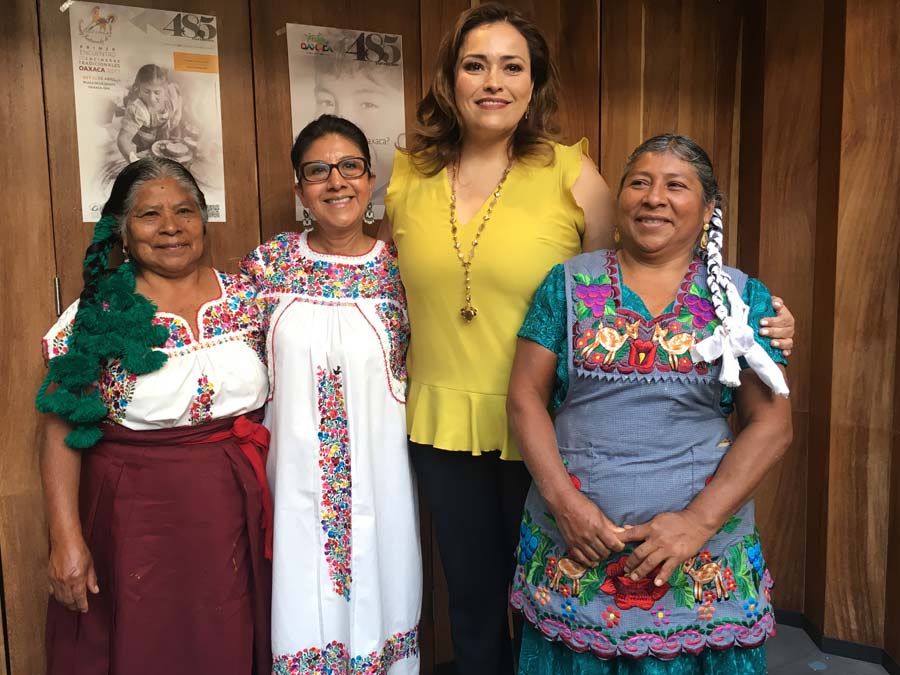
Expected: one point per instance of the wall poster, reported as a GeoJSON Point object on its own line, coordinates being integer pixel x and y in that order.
{"type": "Point", "coordinates": [355, 74]}
{"type": "Point", "coordinates": [146, 83]}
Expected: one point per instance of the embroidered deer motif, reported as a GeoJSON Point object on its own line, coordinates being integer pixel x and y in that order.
{"type": "Point", "coordinates": [611, 340]}
{"type": "Point", "coordinates": [571, 569]}
{"type": "Point", "coordinates": [711, 572]}
{"type": "Point", "coordinates": [675, 346]}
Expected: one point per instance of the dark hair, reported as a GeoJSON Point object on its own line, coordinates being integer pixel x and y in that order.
{"type": "Point", "coordinates": [121, 200]}
{"type": "Point", "coordinates": [435, 143]}
{"type": "Point", "coordinates": [149, 72]}
{"type": "Point", "coordinates": [323, 126]}
{"type": "Point", "coordinates": [684, 148]}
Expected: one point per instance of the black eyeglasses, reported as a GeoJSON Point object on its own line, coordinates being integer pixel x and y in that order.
{"type": "Point", "coordinates": [319, 172]}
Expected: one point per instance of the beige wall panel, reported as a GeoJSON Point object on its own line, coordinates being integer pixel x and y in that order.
{"type": "Point", "coordinates": [229, 240]}
{"type": "Point", "coordinates": [27, 262]}
{"type": "Point", "coordinates": [786, 232]}
{"type": "Point", "coordinates": [272, 84]}
{"type": "Point", "coordinates": [867, 279]}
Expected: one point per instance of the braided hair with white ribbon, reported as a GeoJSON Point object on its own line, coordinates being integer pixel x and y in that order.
{"type": "Point", "coordinates": [733, 337]}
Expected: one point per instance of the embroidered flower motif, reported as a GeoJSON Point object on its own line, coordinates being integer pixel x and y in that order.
{"type": "Point", "coordinates": [116, 390]}
{"type": "Point", "coordinates": [705, 556]}
{"type": "Point", "coordinates": [542, 596]}
{"type": "Point", "coordinates": [289, 270]}
{"type": "Point", "coordinates": [642, 356]}
{"type": "Point", "coordinates": [709, 596]}
{"type": "Point", "coordinates": [661, 616]}
{"type": "Point", "coordinates": [750, 608]}
{"type": "Point", "coordinates": [705, 612]}
{"type": "Point", "coordinates": [179, 331]}
{"type": "Point", "coordinates": [335, 659]}
{"type": "Point", "coordinates": [334, 464]}
{"type": "Point", "coordinates": [594, 296]}
{"type": "Point", "coordinates": [394, 320]}
{"type": "Point", "coordinates": [619, 322]}
{"type": "Point", "coordinates": [628, 593]}
{"type": "Point", "coordinates": [582, 341]}
{"type": "Point", "coordinates": [565, 590]}
{"type": "Point", "coordinates": [201, 406]}
{"type": "Point", "coordinates": [568, 608]}
{"type": "Point", "coordinates": [550, 569]}
{"type": "Point", "coordinates": [611, 616]}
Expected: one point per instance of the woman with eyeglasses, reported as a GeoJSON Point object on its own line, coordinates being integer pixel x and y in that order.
{"type": "Point", "coordinates": [347, 582]}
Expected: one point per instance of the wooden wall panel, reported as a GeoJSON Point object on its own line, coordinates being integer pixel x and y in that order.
{"type": "Point", "coordinates": [867, 278]}
{"type": "Point", "coordinates": [822, 347]}
{"type": "Point", "coordinates": [892, 589]}
{"type": "Point", "coordinates": [786, 233]}
{"type": "Point", "coordinates": [270, 63]}
{"type": "Point", "coordinates": [437, 18]}
{"type": "Point", "coordinates": [621, 58]}
{"type": "Point", "coordinates": [27, 260]}
{"type": "Point", "coordinates": [227, 241]}
{"type": "Point", "coordinates": [669, 66]}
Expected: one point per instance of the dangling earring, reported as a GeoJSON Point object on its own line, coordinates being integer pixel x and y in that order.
{"type": "Point", "coordinates": [617, 238]}
{"type": "Point", "coordinates": [126, 259]}
{"type": "Point", "coordinates": [526, 113]}
{"type": "Point", "coordinates": [369, 216]}
{"type": "Point", "coordinates": [307, 220]}
{"type": "Point", "coordinates": [704, 238]}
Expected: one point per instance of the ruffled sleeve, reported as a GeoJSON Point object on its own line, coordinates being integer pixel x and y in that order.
{"type": "Point", "coordinates": [136, 116]}
{"type": "Point", "coordinates": [570, 158]}
{"type": "Point", "coordinates": [545, 324]}
{"type": "Point", "coordinates": [398, 184]}
{"type": "Point", "coordinates": [56, 341]}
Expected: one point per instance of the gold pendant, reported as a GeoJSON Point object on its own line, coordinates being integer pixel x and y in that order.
{"type": "Point", "coordinates": [468, 313]}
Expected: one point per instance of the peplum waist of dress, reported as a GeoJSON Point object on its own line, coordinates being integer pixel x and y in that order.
{"type": "Point", "coordinates": [457, 420]}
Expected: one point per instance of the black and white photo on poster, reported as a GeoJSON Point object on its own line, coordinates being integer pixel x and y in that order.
{"type": "Point", "coordinates": [146, 83]}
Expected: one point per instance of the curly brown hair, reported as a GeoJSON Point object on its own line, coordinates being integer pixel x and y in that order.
{"type": "Point", "coordinates": [436, 141]}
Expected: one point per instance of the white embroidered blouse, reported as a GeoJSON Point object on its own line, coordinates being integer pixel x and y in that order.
{"type": "Point", "coordinates": [219, 373]}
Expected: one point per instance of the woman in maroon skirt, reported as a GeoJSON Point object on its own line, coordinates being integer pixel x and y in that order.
{"type": "Point", "coordinates": [153, 467]}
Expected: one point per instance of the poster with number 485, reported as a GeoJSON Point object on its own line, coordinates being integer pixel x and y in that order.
{"type": "Point", "coordinates": [146, 84]}
{"type": "Point", "coordinates": [356, 74]}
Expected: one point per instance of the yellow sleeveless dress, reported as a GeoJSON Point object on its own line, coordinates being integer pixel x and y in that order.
{"type": "Point", "coordinates": [458, 371]}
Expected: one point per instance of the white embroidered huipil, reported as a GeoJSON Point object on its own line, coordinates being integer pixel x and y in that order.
{"type": "Point", "coordinates": [220, 372]}
{"type": "Point", "coordinates": [347, 568]}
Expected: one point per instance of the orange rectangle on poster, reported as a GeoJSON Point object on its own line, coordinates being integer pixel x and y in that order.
{"type": "Point", "coordinates": [189, 62]}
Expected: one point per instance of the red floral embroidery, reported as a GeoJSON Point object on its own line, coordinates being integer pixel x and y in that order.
{"type": "Point", "coordinates": [642, 356]}
{"type": "Point", "coordinates": [628, 593]}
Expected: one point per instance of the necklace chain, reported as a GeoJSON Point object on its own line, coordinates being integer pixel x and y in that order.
{"type": "Point", "coordinates": [468, 311]}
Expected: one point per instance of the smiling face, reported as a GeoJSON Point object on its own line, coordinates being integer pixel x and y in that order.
{"type": "Point", "coordinates": [337, 202]}
{"type": "Point", "coordinates": [661, 208]}
{"type": "Point", "coordinates": [164, 230]}
{"type": "Point", "coordinates": [493, 80]}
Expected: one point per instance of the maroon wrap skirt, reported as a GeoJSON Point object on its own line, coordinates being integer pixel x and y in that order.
{"type": "Point", "coordinates": [174, 521]}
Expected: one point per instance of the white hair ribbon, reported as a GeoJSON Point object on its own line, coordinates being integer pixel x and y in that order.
{"type": "Point", "coordinates": [732, 339]}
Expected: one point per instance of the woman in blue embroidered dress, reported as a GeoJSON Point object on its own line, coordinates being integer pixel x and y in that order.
{"type": "Point", "coordinates": [638, 550]}
{"type": "Point", "coordinates": [346, 568]}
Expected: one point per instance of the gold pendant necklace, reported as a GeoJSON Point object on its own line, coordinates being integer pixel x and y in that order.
{"type": "Point", "coordinates": [469, 312]}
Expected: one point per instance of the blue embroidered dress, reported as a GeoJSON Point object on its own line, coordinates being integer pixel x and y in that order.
{"type": "Point", "coordinates": [640, 428]}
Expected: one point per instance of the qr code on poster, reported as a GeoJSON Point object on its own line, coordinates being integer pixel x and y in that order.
{"type": "Point", "coordinates": [213, 211]}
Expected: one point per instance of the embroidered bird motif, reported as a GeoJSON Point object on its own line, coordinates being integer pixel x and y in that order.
{"type": "Point", "coordinates": [674, 346]}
